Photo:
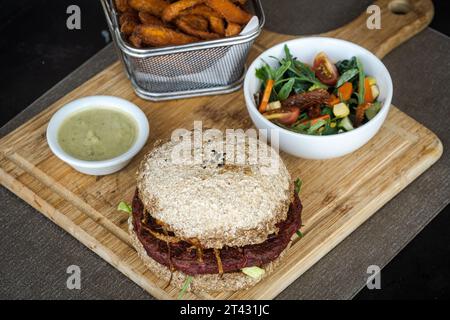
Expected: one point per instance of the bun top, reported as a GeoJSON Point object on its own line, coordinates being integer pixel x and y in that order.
{"type": "Point", "coordinates": [200, 192]}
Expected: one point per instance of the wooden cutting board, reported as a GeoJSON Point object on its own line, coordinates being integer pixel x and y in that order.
{"type": "Point", "coordinates": [338, 195]}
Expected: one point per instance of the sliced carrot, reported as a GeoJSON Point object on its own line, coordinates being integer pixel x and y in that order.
{"type": "Point", "coordinates": [345, 91]}
{"type": "Point", "coordinates": [333, 100]}
{"type": "Point", "coordinates": [266, 96]}
{"type": "Point", "coordinates": [314, 120]}
{"type": "Point", "coordinates": [368, 97]}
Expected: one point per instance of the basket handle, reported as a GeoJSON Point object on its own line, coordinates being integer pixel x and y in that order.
{"type": "Point", "coordinates": [108, 10]}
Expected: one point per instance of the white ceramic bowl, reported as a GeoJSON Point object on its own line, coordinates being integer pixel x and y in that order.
{"type": "Point", "coordinates": [321, 147]}
{"type": "Point", "coordinates": [102, 167]}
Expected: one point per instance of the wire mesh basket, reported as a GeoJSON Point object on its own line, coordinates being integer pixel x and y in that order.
{"type": "Point", "coordinates": [203, 68]}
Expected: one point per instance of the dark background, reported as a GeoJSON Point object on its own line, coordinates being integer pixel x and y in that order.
{"type": "Point", "coordinates": [37, 52]}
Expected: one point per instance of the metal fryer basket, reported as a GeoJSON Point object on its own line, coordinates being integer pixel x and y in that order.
{"type": "Point", "coordinates": [203, 68]}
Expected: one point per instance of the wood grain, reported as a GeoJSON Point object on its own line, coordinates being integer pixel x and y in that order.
{"type": "Point", "coordinates": [338, 195]}
{"type": "Point", "coordinates": [395, 28]}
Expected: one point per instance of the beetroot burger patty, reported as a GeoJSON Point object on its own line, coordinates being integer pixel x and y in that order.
{"type": "Point", "coordinates": [165, 248]}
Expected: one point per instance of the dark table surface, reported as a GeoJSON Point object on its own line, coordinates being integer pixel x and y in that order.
{"type": "Point", "coordinates": [35, 253]}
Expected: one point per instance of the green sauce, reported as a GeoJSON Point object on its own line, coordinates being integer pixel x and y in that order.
{"type": "Point", "coordinates": [97, 134]}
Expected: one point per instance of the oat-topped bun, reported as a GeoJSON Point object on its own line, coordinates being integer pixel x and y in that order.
{"type": "Point", "coordinates": [216, 202]}
{"type": "Point", "coordinates": [220, 221]}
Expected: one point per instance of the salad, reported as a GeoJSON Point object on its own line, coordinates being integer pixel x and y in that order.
{"type": "Point", "coordinates": [323, 99]}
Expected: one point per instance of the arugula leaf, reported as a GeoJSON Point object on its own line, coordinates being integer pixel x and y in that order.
{"type": "Point", "coordinates": [291, 75]}
{"type": "Point", "coordinates": [279, 73]}
{"type": "Point", "coordinates": [347, 76]}
{"type": "Point", "coordinates": [261, 74]}
{"type": "Point", "coordinates": [275, 58]}
{"type": "Point", "coordinates": [123, 206]}
{"type": "Point", "coordinates": [345, 65]}
{"type": "Point", "coordinates": [328, 130]}
{"type": "Point", "coordinates": [304, 73]}
{"type": "Point", "coordinates": [301, 71]}
{"type": "Point", "coordinates": [265, 72]}
{"type": "Point", "coordinates": [299, 233]}
{"type": "Point", "coordinates": [303, 116]}
{"type": "Point", "coordinates": [287, 53]}
{"type": "Point", "coordinates": [298, 185]}
{"type": "Point", "coordinates": [361, 82]}
{"type": "Point", "coordinates": [301, 86]}
{"type": "Point", "coordinates": [186, 284]}
{"type": "Point", "coordinates": [328, 111]}
{"type": "Point", "coordinates": [299, 128]}
{"type": "Point", "coordinates": [316, 126]}
{"type": "Point", "coordinates": [283, 94]}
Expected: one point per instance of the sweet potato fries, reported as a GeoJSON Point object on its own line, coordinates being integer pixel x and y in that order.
{"type": "Point", "coordinates": [159, 23]}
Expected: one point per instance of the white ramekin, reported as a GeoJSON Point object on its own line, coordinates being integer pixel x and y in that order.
{"type": "Point", "coordinates": [102, 167]}
{"type": "Point", "coordinates": [321, 147]}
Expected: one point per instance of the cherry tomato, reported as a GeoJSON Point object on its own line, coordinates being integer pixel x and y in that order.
{"type": "Point", "coordinates": [325, 70]}
{"type": "Point", "coordinates": [291, 116]}
{"type": "Point", "coordinates": [286, 116]}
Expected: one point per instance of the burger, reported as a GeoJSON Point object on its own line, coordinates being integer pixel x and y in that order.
{"type": "Point", "coordinates": [214, 223]}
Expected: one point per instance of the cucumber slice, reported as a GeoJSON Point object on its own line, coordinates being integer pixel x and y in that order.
{"type": "Point", "coordinates": [254, 272]}
{"type": "Point", "coordinates": [373, 110]}
{"type": "Point", "coordinates": [346, 124]}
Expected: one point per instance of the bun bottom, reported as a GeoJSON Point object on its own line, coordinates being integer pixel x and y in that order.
{"type": "Point", "coordinates": [230, 281]}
